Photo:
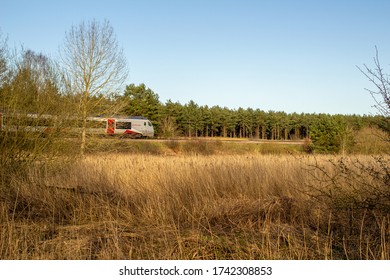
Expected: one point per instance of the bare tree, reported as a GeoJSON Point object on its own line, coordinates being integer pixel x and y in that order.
{"type": "Point", "coordinates": [381, 82]}
{"type": "Point", "coordinates": [33, 85]}
{"type": "Point", "coordinates": [381, 92]}
{"type": "Point", "coordinates": [95, 65]}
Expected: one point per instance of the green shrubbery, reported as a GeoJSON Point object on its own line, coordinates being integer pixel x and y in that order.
{"type": "Point", "coordinates": [331, 134]}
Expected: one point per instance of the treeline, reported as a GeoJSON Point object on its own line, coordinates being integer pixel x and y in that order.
{"type": "Point", "coordinates": [324, 132]}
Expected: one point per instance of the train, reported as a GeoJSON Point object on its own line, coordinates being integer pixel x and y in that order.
{"type": "Point", "coordinates": [130, 126]}
{"type": "Point", "coordinates": [133, 126]}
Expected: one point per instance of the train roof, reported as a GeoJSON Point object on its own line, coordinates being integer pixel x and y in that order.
{"type": "Point", "coordinates": [136, 117]}
{"type": "Point", "coordinates": [122, 117]}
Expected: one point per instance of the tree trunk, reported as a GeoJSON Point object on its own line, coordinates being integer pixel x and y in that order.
{"type": "Point", "coordinates": [257, 133]}
{"type": "Point", "coordinates": [83, 133]}
{"type": "Point", "coordinates": [263, 131]}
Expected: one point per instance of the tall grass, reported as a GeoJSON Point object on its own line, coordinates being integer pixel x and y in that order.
{"type": "Point", "coordinates": [126, 206]}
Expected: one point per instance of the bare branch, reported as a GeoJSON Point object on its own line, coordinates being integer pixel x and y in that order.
{"type": "Point", "coordinates": [94, 62]}
{"type": "Point", "coordinates": [381, 82]}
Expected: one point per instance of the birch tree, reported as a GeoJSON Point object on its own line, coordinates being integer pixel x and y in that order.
{"type": "Point", "coordinates": [95, 66]}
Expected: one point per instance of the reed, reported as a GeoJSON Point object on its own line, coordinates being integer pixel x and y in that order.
{"type": "Point", "coordinates": [252, 206]}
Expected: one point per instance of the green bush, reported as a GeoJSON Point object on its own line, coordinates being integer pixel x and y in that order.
{"type": "Point", "coordinates": [331, 134]}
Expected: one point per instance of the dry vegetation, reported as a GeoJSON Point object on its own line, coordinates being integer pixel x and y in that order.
{"type": "Point", "coordinates": [191, 206]}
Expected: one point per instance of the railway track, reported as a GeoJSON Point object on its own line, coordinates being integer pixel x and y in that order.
{"type": "Point", "coordinates": [225, 140]}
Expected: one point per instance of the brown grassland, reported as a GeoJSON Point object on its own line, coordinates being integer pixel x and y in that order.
{"type": "Point", "coordinates": [197, 200]}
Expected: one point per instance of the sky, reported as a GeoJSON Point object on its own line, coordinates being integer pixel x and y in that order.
{"type": "Point", "coordinates": [292, 56]}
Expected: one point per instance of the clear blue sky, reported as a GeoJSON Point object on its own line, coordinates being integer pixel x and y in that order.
{"type": "Point", "coordinates": [292, 56]}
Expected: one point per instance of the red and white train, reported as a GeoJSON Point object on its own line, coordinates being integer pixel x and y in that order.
{"type": "Point", "coordinates": [132, 126]}
{"type": "Point", "coordinates": [136, 127]}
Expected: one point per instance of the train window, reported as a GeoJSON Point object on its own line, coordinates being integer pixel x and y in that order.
{"type": "Point", "coordinates": [149, 124]}
{"type": "Point", "coordinates": [123, 125]}
{"type": "Point", "coordinates": [144, 123]}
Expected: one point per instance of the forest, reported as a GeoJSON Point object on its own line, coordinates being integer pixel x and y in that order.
{"type": "Point", "coordinates": [329, 133]}
{"type": "Point", "coordinates": [33, 83]}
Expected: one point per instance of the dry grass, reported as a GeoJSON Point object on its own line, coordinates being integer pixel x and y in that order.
{"type": "Point", "coordinates": [198, 207]}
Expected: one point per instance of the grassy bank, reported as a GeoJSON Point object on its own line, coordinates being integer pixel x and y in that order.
{"type": "Point", "coordinates": [367, 141]}
{"type": "Point", "coordinates": [197, 206]}
{"type": "Point", "coordinates": [199, 146]}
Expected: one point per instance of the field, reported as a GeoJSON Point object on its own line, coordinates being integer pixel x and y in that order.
{"type": "Point", "coordinates": [173, 201]}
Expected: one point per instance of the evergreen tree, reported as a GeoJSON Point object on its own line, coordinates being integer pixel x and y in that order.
{"type": "Point", "coordinates": [142, 101]}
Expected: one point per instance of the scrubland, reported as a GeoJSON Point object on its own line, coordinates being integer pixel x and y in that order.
{"type": "Point", "coordinates": [196, 205]}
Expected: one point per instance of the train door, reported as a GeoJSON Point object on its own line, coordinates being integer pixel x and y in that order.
{"type": "Point", "coordinates": [110, 126]}
{"type": "Point", "coordinates": [144, 128]}
{"type": "Point", "coordinates": [150, 130]}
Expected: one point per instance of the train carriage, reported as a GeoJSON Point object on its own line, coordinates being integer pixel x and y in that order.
{"type": "Point", "coordinates": [132, 127]}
